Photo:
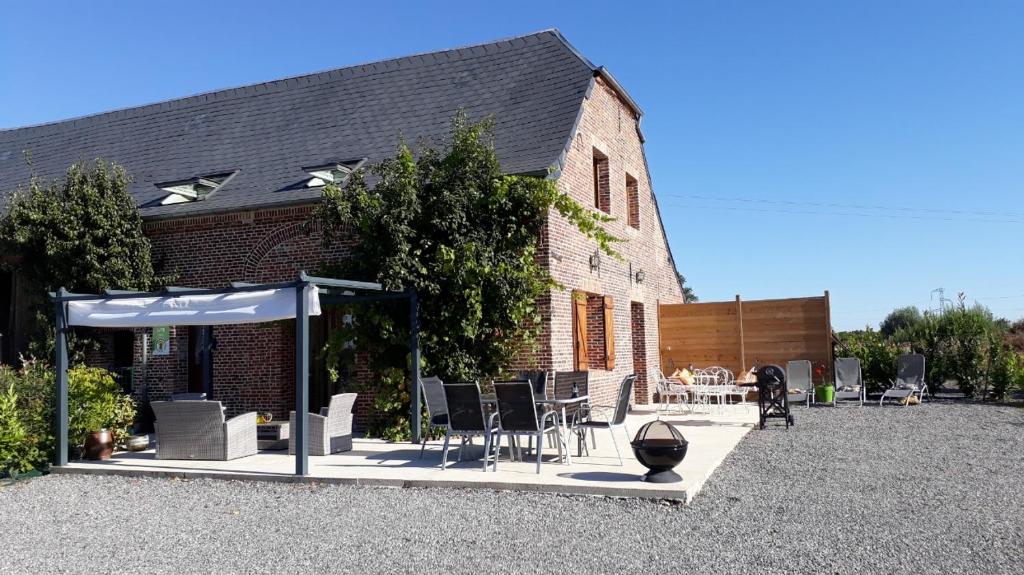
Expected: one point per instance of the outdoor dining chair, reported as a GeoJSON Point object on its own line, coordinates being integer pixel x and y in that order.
{"type": "Point", "coordinates": [670, 392]}
{"type": "Point", "coordinates": [568, 384]}
{"type": "Point", "coordinates": [538, 379]}
{"type": "Point", "coordinates": [910, 374]}
{"type": "Point", "coordinates": [798, 378]}
{"type": "Point", "coordinates": [467, 419]}
{"type": "Point", "coordinates": [518, 416]}
{"type": "Point", "coordinates": [719, 385]}
{"type": "Point", "coordinates": [432, 389]}
{"type": "Point", "coordinates": [612, 418]}
{"type": "Point", "coordinates": [849, 381]}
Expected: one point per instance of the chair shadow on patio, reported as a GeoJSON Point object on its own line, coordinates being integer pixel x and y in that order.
{"type": "Point", "coordinates": [702, 423]}
{"type": "Point", "coordinates": [601, 476]}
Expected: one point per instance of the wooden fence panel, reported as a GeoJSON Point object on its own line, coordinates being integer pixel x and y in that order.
{"type": "Point", "coordinates": [739, 334]}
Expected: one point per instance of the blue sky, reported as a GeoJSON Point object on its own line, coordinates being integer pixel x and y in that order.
{"type": "Point", "coordinates": [870, 148]}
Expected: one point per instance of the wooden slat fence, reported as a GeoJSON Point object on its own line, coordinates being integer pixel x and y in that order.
{"type": "Point", "coordinates": [740, 334]}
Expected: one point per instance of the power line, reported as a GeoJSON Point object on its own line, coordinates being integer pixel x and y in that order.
{"type": "Point", "coordinates": [850, 214]}
{"type": "Point", "coordinates": [1000, 297]}
{"type": "Point", "coordinates": [999, 213]}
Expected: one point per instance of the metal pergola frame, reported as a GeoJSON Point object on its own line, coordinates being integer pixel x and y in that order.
{"type": "Point", "coordinates": [302, 285]}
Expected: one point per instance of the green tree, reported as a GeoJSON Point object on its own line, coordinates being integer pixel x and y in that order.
{"type": "Point", "coordinates": [450, 224]}
{"type": "Point", "coordinates": [900, 318]}
{"type": "Point", "coordinates": [82, 232]}
{"type": "Point", "coordinates": [688, 295]}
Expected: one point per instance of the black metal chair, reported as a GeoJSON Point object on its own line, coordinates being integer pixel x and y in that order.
{"type": "Point", "coordinates": [437, 407]}
{"type": "Point", "coordinates": [467, 419]}
{"type": "Point", "coordinates": [538, 379]}
{"type": "Point", "coordinates": [613, 417]}
{"type": "Point", "coordinates": [572, 384]}
{"type": "Point", "coordinates": [517, 415]}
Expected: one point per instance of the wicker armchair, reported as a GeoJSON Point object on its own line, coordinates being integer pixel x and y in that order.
{"type": "Point", "coordinates": [329, 432]}
{"type": "Point", "coordinates": [197, 430]}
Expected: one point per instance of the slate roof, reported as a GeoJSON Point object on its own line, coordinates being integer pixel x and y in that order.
{"type": "Point", "coordinates": [534, 85]}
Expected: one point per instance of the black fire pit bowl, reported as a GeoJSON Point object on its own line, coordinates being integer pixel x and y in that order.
{"type": "Point", "coordinates": [659, 447]}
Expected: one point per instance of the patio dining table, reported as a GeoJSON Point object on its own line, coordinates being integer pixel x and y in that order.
{"type": "Point", "coordinates": [557, 403]}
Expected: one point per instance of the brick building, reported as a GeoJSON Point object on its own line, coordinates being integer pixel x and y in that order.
{"type": "Point", "coordinates": [225, 182]}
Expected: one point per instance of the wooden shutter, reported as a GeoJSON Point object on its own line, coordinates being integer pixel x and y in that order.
{"type": "Point", "coordinates": [579, 331]}
{"type": "Point", "coordinates": [609, 333]}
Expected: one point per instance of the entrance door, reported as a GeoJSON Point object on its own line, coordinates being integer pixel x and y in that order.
{"type": "Point", "coordinates": [200, 360]}
{"type": "Point", "coordinates": [195, 361]}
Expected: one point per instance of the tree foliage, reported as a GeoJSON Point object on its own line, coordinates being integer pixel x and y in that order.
{"type": "Point", "coordinates": [82, 232]}
{"type": "Point", "coordinates": [899, 318]}
{"type": "Point", "coordinates": [688, 295]}
{"type": "Point", "coordinates": [966, 345]}
{"type": "Point", "coordinates": [449, 224]}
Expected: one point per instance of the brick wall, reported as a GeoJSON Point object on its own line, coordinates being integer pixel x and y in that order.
{"type": "Point", "coordinates": [595, 332]}
{"type": "Point", "coordinates": [607, 124]}
{"type": "Point", "coordinates": [639, 347]}
{"type": "Point", "coordinates": [253, 364]}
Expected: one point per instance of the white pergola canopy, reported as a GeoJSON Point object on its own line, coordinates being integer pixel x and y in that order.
{"type": "Point", "coordinates": [240, 303]}
{"type": "Point", "coordinates": [203, 309]}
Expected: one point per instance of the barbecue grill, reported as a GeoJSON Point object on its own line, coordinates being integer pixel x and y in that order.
{"type": "Point", "coordinates": [659, 447]}
{"type": "Point", "coordinates": [773, 394]}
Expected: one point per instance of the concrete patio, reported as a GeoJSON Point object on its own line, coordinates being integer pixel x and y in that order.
{"type": "Point", "coordinates": [712, 436]}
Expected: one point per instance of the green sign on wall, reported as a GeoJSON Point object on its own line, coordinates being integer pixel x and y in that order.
{"type": "Point", "coordinates": [161, 340]}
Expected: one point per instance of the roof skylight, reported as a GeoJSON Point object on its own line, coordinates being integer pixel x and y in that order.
{"type": "Point", "coordinates": [332, 173]}
{"type": "Point", "coordinates": [193, 189]}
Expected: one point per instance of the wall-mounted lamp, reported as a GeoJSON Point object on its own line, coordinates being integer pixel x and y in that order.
{"type": "Point", "coordinates": [639, 276]}
{"type": "Point", "coordinates": [595, 261]}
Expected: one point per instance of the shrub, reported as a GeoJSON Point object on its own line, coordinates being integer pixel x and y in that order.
{"type": "Point", "coordinates": [18, 453]}
{"type": "Point", "coordinates": [960, 344]}
{"type": "Point", "coordinates": [877, 356]}
{"type": "Point", "coordinates": [27, 408]}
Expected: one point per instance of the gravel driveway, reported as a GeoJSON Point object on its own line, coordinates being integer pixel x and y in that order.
{"type": "Point", "coordinates": [927, 489]}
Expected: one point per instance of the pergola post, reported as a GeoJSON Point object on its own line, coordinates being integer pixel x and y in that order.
{"type": "Point", "coordinates": [61, 367]}
{"type": "Point", "coordinates": [414, 370]}
{"type": "Point", "coordinates": [302, 375]}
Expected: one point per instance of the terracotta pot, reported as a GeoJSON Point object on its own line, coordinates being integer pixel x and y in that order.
{"type": "Point", "coordinates": [99, 445]}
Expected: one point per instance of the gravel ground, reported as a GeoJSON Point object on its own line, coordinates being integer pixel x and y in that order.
{"type": "Point", "coordinates": [926, 489]}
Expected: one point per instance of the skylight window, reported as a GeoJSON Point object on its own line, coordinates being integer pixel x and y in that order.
{"type": "Point", "coordinates": [193, 189]}
{"type": "Point", "coordinates": [333, 173]}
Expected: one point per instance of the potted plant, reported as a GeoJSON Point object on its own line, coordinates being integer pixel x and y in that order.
{"type": "Point", "coordinates": [101, 415]}
{"type": "Point", "coordinates": [825, 391]}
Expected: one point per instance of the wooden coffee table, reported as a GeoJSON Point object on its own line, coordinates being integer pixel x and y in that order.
{"type": "Point", "coordinates": [272, 436]}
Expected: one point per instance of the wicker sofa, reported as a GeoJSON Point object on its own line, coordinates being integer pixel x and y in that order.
{"type": "Point", "coordinates": [329, 432]}
{"type": "Point", "coordinates": [197, 430]}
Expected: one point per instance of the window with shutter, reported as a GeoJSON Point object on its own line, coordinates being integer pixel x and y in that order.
{"type": "Point", "coordinates": [609, 333]}
{"type": "Point", "coordinates": [579, 331]}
